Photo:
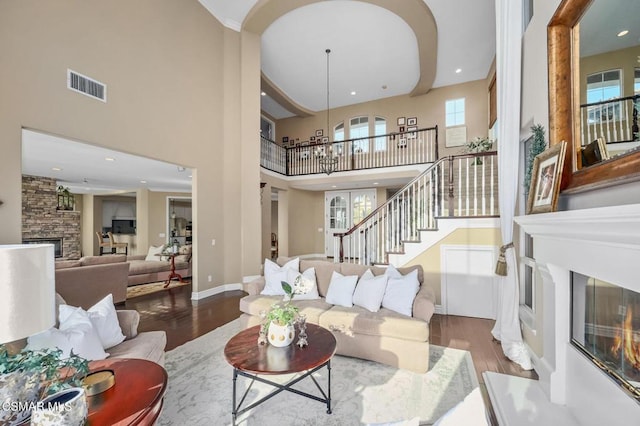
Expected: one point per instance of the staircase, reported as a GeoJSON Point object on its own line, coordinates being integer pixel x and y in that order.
{"type": "Point", "coordinates": [462, 186]}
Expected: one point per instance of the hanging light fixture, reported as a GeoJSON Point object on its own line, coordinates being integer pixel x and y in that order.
{"type": "Point", "coordinates": [173, 208]}
{"type": "Point", "coordinates": [327, 157]}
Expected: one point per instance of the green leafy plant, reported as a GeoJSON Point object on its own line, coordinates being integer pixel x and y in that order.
{"type": "Point", "coordinates": [283, 313]}
{"type": "Point", "coordinates": [477, 145]}
{"type": "Point", "coordinates": [55, 373]}
{"type": "Point", "coordinates": [537, 146]}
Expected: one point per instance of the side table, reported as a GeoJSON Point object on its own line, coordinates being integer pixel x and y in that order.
{"type": "Point", "coordinates": [135, 399]}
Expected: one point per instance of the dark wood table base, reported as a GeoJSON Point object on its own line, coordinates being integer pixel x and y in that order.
{"type": "Point", "coordinates": [326, 397]}
{"type": "Point", "coordinates": [172, 273]}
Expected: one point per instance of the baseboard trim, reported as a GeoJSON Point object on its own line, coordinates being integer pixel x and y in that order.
{"type": "Point", "coordinates": [216, 290]}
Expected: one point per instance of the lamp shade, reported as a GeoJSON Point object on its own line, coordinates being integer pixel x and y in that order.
{"type": "Point", "coordinates": [27, 290]}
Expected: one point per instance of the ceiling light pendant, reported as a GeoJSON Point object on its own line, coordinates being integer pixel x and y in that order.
{"type": "Point", "coordinates": [327, 157]}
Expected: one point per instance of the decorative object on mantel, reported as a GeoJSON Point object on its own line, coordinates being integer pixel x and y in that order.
{"type": "Point", "coordinates": [279, 323]}
{"type": "Point", "coordinates": [477, 145]}
{"type": "Point", "coordinates": [545, 179]}
{"type": "Point", "coordinates": [65, 199]}
{"type": "Point", "coordinates": [538, 145]}
{"type": "Point", "coordinates": [327, 157]}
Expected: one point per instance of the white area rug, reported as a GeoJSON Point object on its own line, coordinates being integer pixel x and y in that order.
{"type": "Point", "coordinates": [362, 392]}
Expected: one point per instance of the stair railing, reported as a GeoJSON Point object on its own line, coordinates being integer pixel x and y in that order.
{"type": "Point", "coordinates": [456, 186]}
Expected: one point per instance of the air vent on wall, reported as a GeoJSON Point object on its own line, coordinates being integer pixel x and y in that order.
{"type": "Point", "coordinates": [87, 86]}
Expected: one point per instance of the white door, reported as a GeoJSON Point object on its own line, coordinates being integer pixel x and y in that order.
{"type": "Point", "coordinates": [336, 205]}
{"type": "Point", "coordinates": [343, 209]}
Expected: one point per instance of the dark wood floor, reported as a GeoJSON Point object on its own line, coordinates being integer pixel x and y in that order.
{"type": "Point", "coordinates": [183, 320]}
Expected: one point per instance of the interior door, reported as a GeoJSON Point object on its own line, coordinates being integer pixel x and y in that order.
{"type": "Point", "coordinates": [336, 218]}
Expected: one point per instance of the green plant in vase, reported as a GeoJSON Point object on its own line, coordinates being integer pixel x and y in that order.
{"type": "Point", "coordinates": [478, 145]}
{"type": "Point", "coordinates": [30, 375]}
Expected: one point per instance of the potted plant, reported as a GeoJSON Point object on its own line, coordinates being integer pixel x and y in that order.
{"type": "Point", "coordinates": [477, 145]}
{"type": "Point", "coordinates": [279, 321]}
{"type": "Point", "coordinates": [29, 376]}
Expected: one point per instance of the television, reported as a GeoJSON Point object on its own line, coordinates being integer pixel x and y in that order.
{"type": "Point", "coordinates": [123, 226]}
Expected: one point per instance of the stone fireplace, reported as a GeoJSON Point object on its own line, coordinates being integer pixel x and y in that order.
{"type": "Point", "coordinates": [597, 252]}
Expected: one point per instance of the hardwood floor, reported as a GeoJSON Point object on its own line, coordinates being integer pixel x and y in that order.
{"type": "Point", "coordinates": [183, 320]}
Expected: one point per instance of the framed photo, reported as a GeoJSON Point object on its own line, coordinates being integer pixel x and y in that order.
{"type": "Point", "coordinates": [319, 132]}
{"type": "Point", "coordinates": [401, 121]}
{"type": "Point", "coordinates": [312, 138]}
{"type": "Point", "coordinates": [401, 129]}
{"type": "Point", "coordinates": [285, 139]}
{"type": "Point", "coordinates": [413, 131]}
{"type": "Point", "coordinates": [412, 121]}
{"type": "Point", "coordinates": [545, 179]}
{"type": "Point", "coordinates": [325, 139]}
{"type": "Point", "coordinates": [402, 143]}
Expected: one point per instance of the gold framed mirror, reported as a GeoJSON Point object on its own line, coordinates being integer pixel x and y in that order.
{"type": "Point", "coordinates": [566, 111]}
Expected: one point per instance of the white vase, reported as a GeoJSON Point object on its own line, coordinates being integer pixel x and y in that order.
{"type": "Point", "coordinates": [64, 408]}
{"type": "Point", "coordinates": [18, 392]}
{"type": "Point", "coordinates": [280, 335]}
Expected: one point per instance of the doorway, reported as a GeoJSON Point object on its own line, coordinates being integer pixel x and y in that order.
{"type": "Point", "coordinates": [344, 209]}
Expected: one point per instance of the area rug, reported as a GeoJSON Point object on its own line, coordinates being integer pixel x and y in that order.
{"type": "Point", "coordinates": [362, 392]}
{"type": "Point", "coordinates": [142, 289]}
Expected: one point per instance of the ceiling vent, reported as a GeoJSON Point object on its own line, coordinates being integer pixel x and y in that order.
{"type": "Point", "coordinates": [87, 86]}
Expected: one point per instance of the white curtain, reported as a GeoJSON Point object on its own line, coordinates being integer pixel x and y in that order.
{"type": "Point", "coordinates": [508, 55]}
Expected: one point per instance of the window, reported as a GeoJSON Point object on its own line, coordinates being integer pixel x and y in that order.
{"type": "Point", "coordinates": [267, 128]}
{"type": "Point", "coordinates": [338, 132]}
{"type": "Point", "coordinates": [454, 112]}
{"type": "Point", "coordinates": [603, 86]}
{"type": "Point", "coordinates": [359, 128]}
{"type": "Point", "coordinates": [636, 82]}
{"type": "Point", "coordinates": [380, 129]}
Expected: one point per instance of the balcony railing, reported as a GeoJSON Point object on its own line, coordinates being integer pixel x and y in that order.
{"type": "Point", "coordinates": [614, 120]}
{"type": "Point", "coordinates": [394, 149]}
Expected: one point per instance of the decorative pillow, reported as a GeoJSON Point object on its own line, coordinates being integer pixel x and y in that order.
{"type": "Point", "coordinates": [184, 253]}
{"type": "Point", "coordinates": [401, 292]}
{"type": "Point", "coordinates": [392, 272]}
{"type": "Point", "coordinates": [370, 291]}
{"type": "Point", "coordinates": [274, 275]}
{"type": "Point", "coordinates": [75, 333]}
{"type": "Point", "coordinates": [104, 318]}
{"type": "Point", "coordinates": [307, 282]}
{"type": "Point", "coordinates": [153, 252]}
{"type": "Point", "coordinates": [341, 289]}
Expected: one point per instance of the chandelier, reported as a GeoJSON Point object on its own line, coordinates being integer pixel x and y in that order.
{"type": "Point", "coordinates": [328, 158]}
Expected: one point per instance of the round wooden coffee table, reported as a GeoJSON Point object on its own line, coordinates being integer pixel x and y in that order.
{"type": "Point", "coordinates": [249, 359]}
{"type": "Point", "coordinates": [135, 399]}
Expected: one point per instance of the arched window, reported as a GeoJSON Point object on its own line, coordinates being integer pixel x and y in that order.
{"type": "Point", "coordinates": [338, 132]}
{"type": "Point", "coordinates": [359, 128]}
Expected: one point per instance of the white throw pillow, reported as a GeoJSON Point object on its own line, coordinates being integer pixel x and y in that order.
{"type": "Point", "coordinates": [341, 289]}
{"type": "Point", "coordinates": [392, 272]}
{"type": "Point", "coordinates": [75, 333]}
{"type": "Point", "coordinates": [104, 318]}
{"type": "Point", "coordinates": [274, 275]}
{"type": "Point", "coordinates": [370, 291]}
{"type": "Point", "coordinates": [308, 278]}
{"type": "Point", "coordinates": [401, 292]}
{"type": "Point", "coordinates": [153, 253]}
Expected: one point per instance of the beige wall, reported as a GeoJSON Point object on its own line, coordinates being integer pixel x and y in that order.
{"type": "Point", "coordinates": [429, 110]}
{"type": "Point", "coordinates": [157, 218]}
{"type": "Point", "coordinates": [430, 259]}
{"type": "Point", "coordinates": [166, 64]}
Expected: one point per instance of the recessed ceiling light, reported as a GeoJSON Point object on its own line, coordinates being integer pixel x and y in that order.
{"type": "Point", "coordinates": [353, 92]}
{"type": "Point", "coordinates": [143, 181]}
{"type": "Point", "coordinates": [384, 87]}
{"type": "Point", "coordinates": [623, 33]}
{"type": "Point", "coordinates": [190, 176]}
{"type": "Point", "coordinates": [459, 70]}
{"type": "Point", "coordinates": [333, 186]}
{"type": "Point", "coordinates": [56, 169]}
{"type": "Point", "coordinates": [263, 94]}
{"type": "Point", "coordinates": [109, 159]}
{"type": "Point", "coordinates": [375, 183]}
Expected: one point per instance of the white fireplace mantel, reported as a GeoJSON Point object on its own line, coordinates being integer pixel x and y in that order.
{"type": "Point", "coordinates": [603, 243]}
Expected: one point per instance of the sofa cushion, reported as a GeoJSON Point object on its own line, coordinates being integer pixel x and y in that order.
{"type": "Point", "coordinates": [370, 291]}
{"type": "Point", "coordinates": [275, 274]}
{"type": "Point", "coordinates": [401, 291]}
{"type": "Point", "coordinates": [147, 345]}
{"type": "Point", "coordinates": [385, 322]}
{"type": "Point", "coordinates": [139, 267]}
{"type": "Point", "coordinates": [64, 264]}
{"type": "Point", "coordinates": [341, 289]}
{"type": "Point", "coordinates": [324, 270]}
{"type": "Point", "coordinates": [105, 321]}
{"type": "Point", "coordinates": [184, 254]}
{"type": "Point", "coordinates": [252, 305]}
{"type": "Point", "coordinates": [101, 260]}
{"type": "Point", "coordinates": [153, 255]}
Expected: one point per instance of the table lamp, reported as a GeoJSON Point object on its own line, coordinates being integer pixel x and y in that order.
{"type": "Point", "coordinates": [27, 290]}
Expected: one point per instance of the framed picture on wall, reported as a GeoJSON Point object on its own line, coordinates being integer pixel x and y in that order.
{"type": "Point", "coordinates": [285, 139]}
{"type": "Point", "coordinates": [312, 138]}
{"type": "Point", "coordinates": [401, 129]}
{"type": "Point", "coordinates": [319, 132]}
{"type": "Point", "coordinates": [545, 179]}
{"type": "Point", "coordinates": [401, 121]}
{"type": "Point", "coordinates": [325, 139]}
{"type": "Point", "coordinates": [412, 121]}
